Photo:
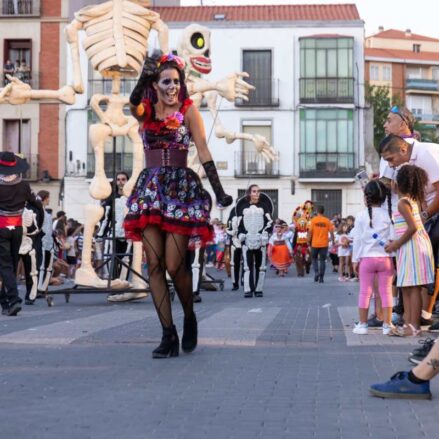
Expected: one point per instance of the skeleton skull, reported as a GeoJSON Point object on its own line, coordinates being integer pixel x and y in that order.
{"type": "Point", "coordinates": [194, 48]}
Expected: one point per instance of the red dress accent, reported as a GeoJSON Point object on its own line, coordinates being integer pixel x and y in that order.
{"type": "Point", "coordinates": [168, 196]}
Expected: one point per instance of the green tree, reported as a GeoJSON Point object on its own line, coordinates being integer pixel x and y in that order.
{"type": "Point", "coordinates": [379, 98]}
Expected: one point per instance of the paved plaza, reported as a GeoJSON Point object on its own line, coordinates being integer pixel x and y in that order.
{"type": "Point", "coordinates": [283, 366]}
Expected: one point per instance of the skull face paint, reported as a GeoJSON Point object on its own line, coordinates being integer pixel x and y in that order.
{"type": "Point", "coordinates": [168, 86]}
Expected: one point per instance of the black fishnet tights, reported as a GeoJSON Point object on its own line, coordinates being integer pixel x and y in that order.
{"type": "Point", "coordinates": [167, 252]}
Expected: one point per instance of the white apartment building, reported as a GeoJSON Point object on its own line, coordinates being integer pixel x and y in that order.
{"type": "Point", "coordinates": [307, 63]}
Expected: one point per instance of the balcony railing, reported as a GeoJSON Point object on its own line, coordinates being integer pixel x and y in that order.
{"type": "Point", "coordinates": [327, 165]}
{"type": "Point", "coordinates": [103, 86]}
{"type": "Point", "coordinates": [31, 78]}
{"type": "Point", "coordinates": [322, 90]}
{"type": "Point", "coordinates": [19, 8]}
{"type": "Point", "coordinates": [422, 84]}
{"type": "Point", "coordinates": [425, 117]}
{"type": "Point", "coordinates": [266, 93]}
{"type": "Point", "coordinates": [249, 164]}
{"type": "Point", "coordinates": [124, 162]}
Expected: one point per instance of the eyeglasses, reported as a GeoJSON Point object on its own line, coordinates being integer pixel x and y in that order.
{"type": "Point", "coordinates": [395, 110]}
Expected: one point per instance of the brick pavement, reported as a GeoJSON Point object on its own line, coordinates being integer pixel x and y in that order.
{"type": "Point", "coordinates": [283, 366]}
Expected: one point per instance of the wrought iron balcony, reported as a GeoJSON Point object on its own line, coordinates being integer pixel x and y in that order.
{"type": "Point", "coordinates": [252, 164]}
{"type": "Point", "coordinates": [124, 162]}
{"type": "Point", "coordinates": [103, 86]}
{"type": "Point", "coordinates": [31, 78]}
{"type": "Point", "coordinates": [266, 93]}
{"type": "Point", "coordinates": [422, 84]}
{"type": "Point", "coordinates": [322, 90]}
{"type": "Point", "coordinates": [425, 117]}
{"type": "Point", "coordinates": [327, 165]}
{"type": "Point", "coordinates": [19, 8]}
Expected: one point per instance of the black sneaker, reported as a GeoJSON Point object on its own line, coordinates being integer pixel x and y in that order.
{"type": "Point", "coordinates": [434, 327]}
{"type": "Point", "coordinates": [373, 322]}
{"type": "Point", "coordinates": [426, 322]}
{"type": "Point", "coordinates": [197, 298]}
{"type": "Point", "coordinates": [316, 278]}
{"type": "Point", "coordinates": [321, 279]}
{"type": "Point", "coordinates": [425, 348]}
{"type": "Point", "coordinates": [248, 294]}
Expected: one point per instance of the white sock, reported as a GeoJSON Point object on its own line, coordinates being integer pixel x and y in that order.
{"type": "Point", "coordinates": [395, 301]}
{"type": "Point", "coordinates": [426, 315]}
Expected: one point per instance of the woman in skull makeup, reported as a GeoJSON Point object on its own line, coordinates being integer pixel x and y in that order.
{"type": "Point", "coordinates": [168, 204]}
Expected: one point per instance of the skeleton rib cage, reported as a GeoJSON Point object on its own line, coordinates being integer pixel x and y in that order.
{"type": "Point", "coordinates": [113, 44]}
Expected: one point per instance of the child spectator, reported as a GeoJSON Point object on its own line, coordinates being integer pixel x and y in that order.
{"type": "Point", "coordinates": [372, 231]}
{"type": "Point", "coordinates": [415, 266]}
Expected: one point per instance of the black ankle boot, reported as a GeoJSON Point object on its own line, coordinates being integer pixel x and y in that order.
{"type": "Point", "coordinates": [190, 334]}
{"type": "Point", "coordinates": [169, 345]}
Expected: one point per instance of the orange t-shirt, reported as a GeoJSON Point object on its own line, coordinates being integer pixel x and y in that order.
{"type": "Point", "coordinates": [320, 227]}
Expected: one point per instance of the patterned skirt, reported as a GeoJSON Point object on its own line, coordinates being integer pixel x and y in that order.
{"type": "Point", "coordinates": [172, 198]}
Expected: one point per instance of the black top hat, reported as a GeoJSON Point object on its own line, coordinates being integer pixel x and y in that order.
{"type": "Point", "coordinates": [11, 164]}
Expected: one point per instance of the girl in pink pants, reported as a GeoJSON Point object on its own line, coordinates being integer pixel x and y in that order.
{"type": "Point", "coordinates": [373, 229]}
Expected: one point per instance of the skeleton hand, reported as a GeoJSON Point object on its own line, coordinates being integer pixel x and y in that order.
{"type": "Point", "coordinates": [264, 148]}
{"type": "Point", "coordinates": [16, 92]}
{"type": "Point", "coordinates": [241, 237]}
{"type": "Point", "coordinates": [66, 95]}
{"type": "Point", "coordinates": [233, 86]}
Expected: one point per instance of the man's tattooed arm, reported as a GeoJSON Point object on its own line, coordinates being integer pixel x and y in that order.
{"type": "Point", "coordinates": [434, 364]}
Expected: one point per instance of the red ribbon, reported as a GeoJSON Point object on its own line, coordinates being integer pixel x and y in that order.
{"type": "Point", "coordinates": [2, 162]}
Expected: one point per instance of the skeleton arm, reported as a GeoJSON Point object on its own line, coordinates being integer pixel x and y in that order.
{"type": "Point", "coordinates": [231, 87]}
{"type": "Point", "coordinates": [72, 38]}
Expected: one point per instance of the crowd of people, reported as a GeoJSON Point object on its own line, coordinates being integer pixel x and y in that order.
{"type": "Point", "coordinates": [20, 69]}
{"type": "Point", "coordinates": [391, 247]}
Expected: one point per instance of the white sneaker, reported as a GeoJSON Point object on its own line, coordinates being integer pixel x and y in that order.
{"type": "Point", "coordinates": [342, 279]}
{"type": "Point", "coordinates": [360, 328]}
{"type": "Point", "coordinates": [387, 329]}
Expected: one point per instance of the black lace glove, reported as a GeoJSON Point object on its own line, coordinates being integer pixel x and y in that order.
{"type": "Point", "coordinates": [222, 198]}
{"type": "Point", "coordinates": [149, 71]}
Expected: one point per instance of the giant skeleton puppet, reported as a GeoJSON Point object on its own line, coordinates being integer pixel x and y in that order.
{"type": "Point", "coordinates": [116, 43]}
{"type": "Point", "coordinates": [254, 225]}
{"type": "Point", "coordinates": [194, 48]}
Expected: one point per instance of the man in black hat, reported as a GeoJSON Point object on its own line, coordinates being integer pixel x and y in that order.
{"type": "Point", "coordinates": [14, 193]}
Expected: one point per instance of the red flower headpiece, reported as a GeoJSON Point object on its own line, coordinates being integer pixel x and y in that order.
{"type": "Point", "coordinates": [171, 57]}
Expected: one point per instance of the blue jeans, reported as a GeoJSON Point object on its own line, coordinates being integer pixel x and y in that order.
{"type": "Point", "coordinates": [319, 255]}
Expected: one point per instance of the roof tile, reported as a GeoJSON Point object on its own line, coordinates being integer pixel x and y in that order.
{"type": "Point", "coordinates": [401, 54]}
{"type": "Point", "coordinates": [401, 35]}
{"type": "Point", "coordinates": [327, 12]}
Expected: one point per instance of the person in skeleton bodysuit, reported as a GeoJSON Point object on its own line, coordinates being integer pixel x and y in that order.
{"type": "Point", "coordinates": [255, 223]}
{"type": "Point", "coordinates": [32, 222]}
{"type": "Point", "coordinates": [45, 250]}
{"type": "Point", "coordinates": [169, 205]}
{"type": "Point", "coordinates": [235, 249]}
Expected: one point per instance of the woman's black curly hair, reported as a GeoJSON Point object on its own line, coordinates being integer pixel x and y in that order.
{"type": "Point", "coordinates": [376, 193]}
{"type": "Point", "coordinates": [411, 181]}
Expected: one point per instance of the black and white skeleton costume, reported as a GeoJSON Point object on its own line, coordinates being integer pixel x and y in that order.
{"type": "Point", "coordinates": [32, 223]}
{"type": "Point", "coordinates": [46, 254]}
{"type": "Point", "coordinates": [235, 248]}
{"type": "Point", "coordinates": [254, 225]}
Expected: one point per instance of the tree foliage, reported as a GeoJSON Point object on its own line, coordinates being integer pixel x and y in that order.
{"type": "Point", "coordinates": [381, 101]}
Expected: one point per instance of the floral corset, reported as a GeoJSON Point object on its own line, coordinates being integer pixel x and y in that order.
{"type": "Point", "coordinates": [169, 133]}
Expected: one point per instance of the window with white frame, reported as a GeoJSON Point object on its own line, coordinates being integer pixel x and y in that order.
{"type": "Point", "coordinates": [326, 139]}
{"type": "Point", "coordinates": [387, 72]}
{"type": "Point", "coordinates": [374, 72]}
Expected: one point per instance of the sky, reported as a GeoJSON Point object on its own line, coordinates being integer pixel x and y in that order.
{"type": "Point", "coordinates": [420, 16]}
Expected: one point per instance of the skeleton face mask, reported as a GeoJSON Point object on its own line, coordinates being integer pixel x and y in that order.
{"type": "Point", "coordinates": [168, 86]}
{"type": "Point", "coordinates": [194, 47]}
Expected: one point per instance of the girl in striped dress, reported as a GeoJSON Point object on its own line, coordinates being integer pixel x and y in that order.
{"type": "Point", "coordinates": [415, 266]}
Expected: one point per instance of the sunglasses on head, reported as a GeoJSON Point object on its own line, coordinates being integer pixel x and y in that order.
{"type": "Point", "coordinates": [395, 110]}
